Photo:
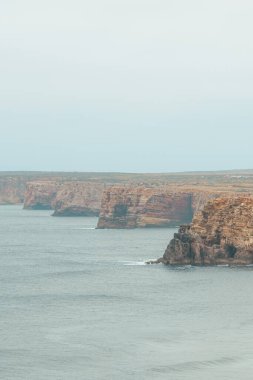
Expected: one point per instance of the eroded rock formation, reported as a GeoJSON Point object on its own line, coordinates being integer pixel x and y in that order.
{"type": "Point", "coordinates": [131, 207]}
{"type": "Point", "coordinates": [67, 198]}
{"type": "Point", "coordinates": [163, 206]}
{"type": "Point", "coordinates": [222, 233]}
{"type": "Point", "coordinates": [12, 190]}
{"type": "Point", "coordinates": [149, 200]}
{"type": "Point", "coordinates": [78, 199]}
{"type": "Point", "coordinates": [40, 195]}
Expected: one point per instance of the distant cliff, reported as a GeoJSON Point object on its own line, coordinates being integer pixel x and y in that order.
{"type": "Point", "coordinates": [139, 206]}
{"type": "Point", "coordinates": [78, 199]}
{"type": "Point", "coordinates": [135, 200]}
{"type": "Point", "coordinates": [131, 207]}
{"type": "Point", "coordinates": [222, 233]}
{"type": "Point", "coordinates": [12, 189]}
{"type": "Point", "coordinates": [40, 195]}
{"type": "Point", "coordinates": [67, 198]}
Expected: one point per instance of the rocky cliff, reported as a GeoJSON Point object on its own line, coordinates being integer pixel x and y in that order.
{"type": "Point", "coordinates": [148, 199]}
{"type": "Point", "coordinates": [66, 198]}
{"type": "Point", "coordinates": [131, 207]}
{"type": "Point", "coordinates": [40, 195]}
{"type": "Point", "coordinates": [163, 206]}
{"type": "Point", "coordinates": [122, 206]}
{"type": "Point", "coordinates": [222, 233]}
{"type": "Point", "coordinates": [12, 189]}
{"type": "Point", "coordinates": [78, 199]}
{"type": "Point", "coordinates": [201, 197]}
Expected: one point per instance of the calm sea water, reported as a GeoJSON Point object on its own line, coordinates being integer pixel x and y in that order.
{"type": "Point", "coordinates": [79, 303]}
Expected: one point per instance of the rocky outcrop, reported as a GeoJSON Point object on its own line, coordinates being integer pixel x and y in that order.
{"type": "Point", "coordinates": [12, 189]}
{"type": "Point", "coordinates": [222, 233]}
{"type": "Point", "coordinates": [131, 207]}
{"type": "Point", "coordinates": [200, 198]}
{"type": "Point", "coordinates": [40, 195]}
{"type": "Point", "coordinates": [78, 199]}
{"type": "Point", "coordinates": [66, 198]}
{"type": "Point", "coordinates": [146, 207]}
{"type": "Point", "coordinates": [149, 200]}
{"type": "Point", "coordinates": [143, 206]}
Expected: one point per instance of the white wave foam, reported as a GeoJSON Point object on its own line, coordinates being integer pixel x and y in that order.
{"type": "Point", "coordinates": [134, 263]}
{"type": "Point", "coordinates": [85, 228]}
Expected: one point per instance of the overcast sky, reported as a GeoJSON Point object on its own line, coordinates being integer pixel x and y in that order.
{"type": "Point", "coordinates": [126, 85]}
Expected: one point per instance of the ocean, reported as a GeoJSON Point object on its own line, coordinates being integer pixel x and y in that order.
{"type": "Point", "coordinates": [80, 303]}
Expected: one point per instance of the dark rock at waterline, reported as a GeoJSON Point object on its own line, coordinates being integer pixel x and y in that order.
{"type": "Point", "coordinates": [220, 234]}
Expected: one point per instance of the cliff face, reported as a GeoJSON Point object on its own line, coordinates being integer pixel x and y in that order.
{"type": "Point", "coordinates": [78, 199]}
{"type": "Point", "coordinates": [131, 207]}
{"type": "Point", "coordinates": [67, 198]}
{"type": "Point", "coordinates": [141, 200]}
{"type": "Point", "coordinates": [122, 206]}
{"type": "Point", "coordinates": [40, 195]}
{"type": "Point", "coordinates": [12, 190]}
{"type": "Point", "coordinates": [139, 206]}
{"type": "Point", "coordinates": [220, 234]}
{"type": "Point", "coordinates": [200, 198]}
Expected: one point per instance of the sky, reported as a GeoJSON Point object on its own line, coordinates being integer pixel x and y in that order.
{"type": "Point", "coordinates": [127, 86]}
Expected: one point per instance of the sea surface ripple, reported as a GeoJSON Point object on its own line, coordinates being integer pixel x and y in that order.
{"type": "Point", "coordinates": [80, 303]}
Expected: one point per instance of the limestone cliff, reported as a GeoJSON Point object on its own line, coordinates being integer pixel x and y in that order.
{"type": "Point", "coordinates": [131, 207]}
{"type": "Point", "coordinates": [163, 201]}
{"type": "Point", "coordinates": [157, 206]}
{"type": "Point", "coordinates": [222, 233]}
{"type": "Point", "coordinates": [12, 189]}
{"type": "Point", "coordinates": [201, 197]}
{"type": "Point", "coordinates": [66, 198]}
{"type": "Point", "coordinates": [78, 199]}
{"type": "Point", "coordinates": [40, 195]}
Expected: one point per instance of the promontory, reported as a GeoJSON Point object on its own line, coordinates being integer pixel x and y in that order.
{"type": "Point", "coordinates": [222, 233]}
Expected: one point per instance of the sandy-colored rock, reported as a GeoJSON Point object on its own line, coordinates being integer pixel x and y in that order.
{"type": "Point", "coordinates": [66, 198]}
{"type": "Point", "coordinates": [131, 207]}
{"type": "Point", "coordinates": [158, 206]}
{"type": "Point", "coordinates": [12, 190]}
{"type": "Point", "coordinates": [158, 211]}
{"type": "Point", "coordinates": [222, 233]}
{"type": "Point", "coordinates": [201, 197]}
{"type": "Point", "coordinates": [78, 199]}
{"type": "Point", "coordinates": [40, 195]}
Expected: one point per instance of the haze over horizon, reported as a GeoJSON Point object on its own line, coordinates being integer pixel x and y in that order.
{"type": "Point", "coordinates": [116, 86]}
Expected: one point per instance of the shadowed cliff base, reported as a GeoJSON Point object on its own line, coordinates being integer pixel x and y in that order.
{"type": "Point", "coordinates": [76, 212]}
{"type": "Point", "coordinates": [222, 233]}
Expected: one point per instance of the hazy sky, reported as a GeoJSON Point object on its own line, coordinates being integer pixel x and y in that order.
{"type": "Point", "coordinates": [126, 85]}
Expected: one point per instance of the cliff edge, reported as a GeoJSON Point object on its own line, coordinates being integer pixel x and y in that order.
{"type": "Point", "coordinates": [132, 207]}
{"type": "Point", "coordinates": [40, 195]}
{"type": "Point", "coordinates": [78, 199]}
{"type": "Point", "coordinates": [222, 233]}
